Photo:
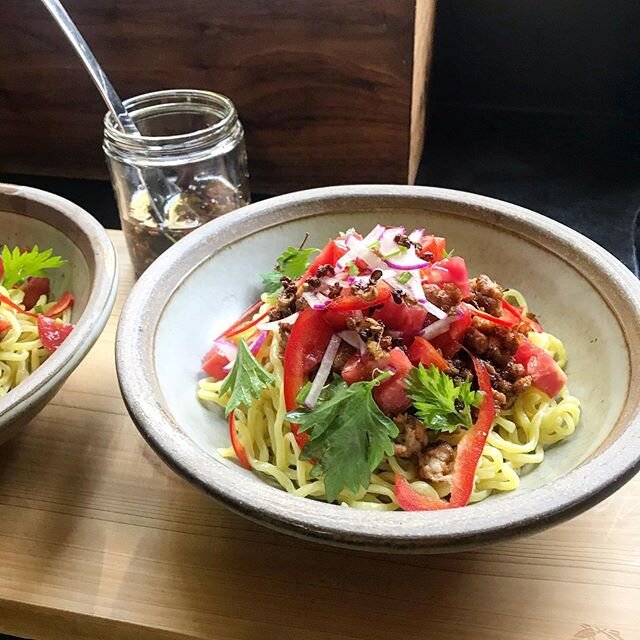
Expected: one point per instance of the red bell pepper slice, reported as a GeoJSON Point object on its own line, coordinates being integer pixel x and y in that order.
{"type": "Point", "coordinates": [329, 255]}
{"type": "Point", "coordinates": [34, 288]}
{"type": "Point", "coordinates": [308, 340]}
{"type": "Point", "coordinates": [52, 332]}
{"type": "Point", "coordinates": [246, 314]}
{"type": "Point", "coordinates": [423, 352]}
{"type": "Point", "coordinates": [237, 445]}
{"type": "Point", "coordinates": [241, 326]}
{"type": "Point", "coordinates": [348, 301]}
{"type": "Point", "coordinates": [505, 320]}
{"type": "Point", "coordinates": [66, 300]}
{"type": "Point", "coordinates": [4, 325]}
{"type": "Point", "coordinates": [467, 457]}
{"type": "Point", "coordinates": [518, 312]}
{"type": "Point", "coordinates": [18, 308]}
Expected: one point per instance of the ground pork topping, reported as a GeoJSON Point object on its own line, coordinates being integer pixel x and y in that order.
{"type": "Point", "coordinates": [487, 295]}
{"type": "Point", "coordinates": [412, 437]}
{"type": "Point", "coordinates": [446, 297]}
{"type": "Point", "coordinates": [436, 462]}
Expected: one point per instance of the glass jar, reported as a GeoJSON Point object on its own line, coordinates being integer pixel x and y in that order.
{"type": "Point", "coordinates": [197, 141]}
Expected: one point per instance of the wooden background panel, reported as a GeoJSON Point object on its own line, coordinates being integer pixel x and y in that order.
{"type": "Point", "coordinates": [324, 88]}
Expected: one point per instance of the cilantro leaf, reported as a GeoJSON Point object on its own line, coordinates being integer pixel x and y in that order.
{"type": "Point", "coordinates": [439, 403]}
{"type": "Point", "coordinates": [291, 263]}
{"type": "Point", "coordinates": [246, 380]}
{"type": "Point", "coordinates": [19, 266]}
{"type": "Point", "coordinates": [349, 435]}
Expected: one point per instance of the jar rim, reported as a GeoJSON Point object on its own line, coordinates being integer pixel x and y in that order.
{"type": "Point", "coordinates": [157, 101]}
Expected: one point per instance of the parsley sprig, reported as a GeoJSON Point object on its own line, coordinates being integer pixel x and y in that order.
{"type": "Point", "coordinates": [439, 403]}
{"type": "Point", "coordinates": [349, 435]}
{"type": "Point", "coordinates": [291, 263]}
{"type": "Point", "coordinates": [19, 266]}
{"type": "Point", "coordinates": [246, 380]}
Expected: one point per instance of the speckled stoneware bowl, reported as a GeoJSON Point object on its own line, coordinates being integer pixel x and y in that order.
{"type": "Point", "coordinates": [30, 216]}
{"type": "Point", "coordinates": [582, 293]}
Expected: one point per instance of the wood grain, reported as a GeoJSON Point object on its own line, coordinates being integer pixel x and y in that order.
{"type": "Point", "coordinates": [98, 540]}
{"type": "Point", "coordinates": [324, 88]}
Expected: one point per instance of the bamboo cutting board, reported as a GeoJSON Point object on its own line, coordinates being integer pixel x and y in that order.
{"type": "Point", "coordinates": [98, 540]}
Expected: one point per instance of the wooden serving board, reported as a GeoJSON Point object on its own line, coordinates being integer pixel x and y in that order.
{"type": "Point", "coordinates": [99, 540]}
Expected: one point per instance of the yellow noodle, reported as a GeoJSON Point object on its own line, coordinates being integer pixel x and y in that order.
{"type": "Point", "coordinates": [517, 439]}
{"type": "Point", "coordinates": [21, 351]}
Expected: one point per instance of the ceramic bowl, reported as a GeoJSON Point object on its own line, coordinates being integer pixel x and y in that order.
{"type": "Point", "coordinates": [30, 216]}
{"type": "Point", "coordinates": [583, 295]}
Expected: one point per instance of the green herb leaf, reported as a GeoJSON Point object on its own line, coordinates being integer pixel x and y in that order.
{"type": "Point", "coordinates": [30, 264]}
{"type": "Point", "coordinates": [447, 254]}
{"type": "Point", "coordinates": [349, 435]}
{"type": "Point", "coordinates": [291, 263]}
{"type": "Point", "coordinates": [246, 380]}
{"type": "Point", "coordinates": [439, 403]}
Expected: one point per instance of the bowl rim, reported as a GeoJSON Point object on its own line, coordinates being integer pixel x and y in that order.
{"type": "Point", "coordinates": [100, 300]}
{"type": "Point", "coordinates": [438, 531]}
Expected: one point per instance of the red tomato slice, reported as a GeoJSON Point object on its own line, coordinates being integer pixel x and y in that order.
{"type": "Point", "coordinates": [434, 245]}
{"type": "Point", "coordinates": [543, 369]}
{"type": "Point", "coordinates": [33, 288]}
{"type": "Point", "coordinates": [347, 301]}
{"type": "Point", "coordinates": [423, 352]}
{"type": "Point", "coordinates": [449, 270]}
{"type": "Point", "coordinates": [214, 362]}
{"type": "Point", "coordinates": [409, 319]}
{"type": "Point", "coordinates": [460, 326]}
{"type": "Point", "coordinates": [52, 332]}
{"type": "Point", "coordinates": [390, 395]}
{"type": "Point", "coordinates": [4, 325]}
{"type": "Point", "coordinates": [66, 300]}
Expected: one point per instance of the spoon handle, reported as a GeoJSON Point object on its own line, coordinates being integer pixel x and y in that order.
{"type": "Point", "coordinates": [98, 76]}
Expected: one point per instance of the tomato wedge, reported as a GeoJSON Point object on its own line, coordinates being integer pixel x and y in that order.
{"type": "Point", "coordinates": [10, 303]}
{"type": "Point", "coordinates": [66, 300]}
{"type": "Point", "coordinates": [452, 270]}
{"type": "Point", "coordinates": [237, 445]}
{"type": "Point", "coordinates": [329, 255]}
{"type": "Point", "coordinates": [348, 301]}
{"type": "Point", "coordinates": [423, 352]}
{"type": "Point", "coordinates": [34, 288]}
{"type": "Point", "coordinates": [52, 332]}
{"type": "Point", "coordinates": [214, 363]}
{"type": "Point", "coordinates": [467, 457]}
{"type": "Point", "coordinates": [434, 245]}
{"type": "Point", "coordinates": [308, 340]}
{"type": "Point", "coordinates": [543, 369]}
{"type": "Point", "coordinates": [409, 319]}
{"type": "Point", "coordinates": [390, 394]}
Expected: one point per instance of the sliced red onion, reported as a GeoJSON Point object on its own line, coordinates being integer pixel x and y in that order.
{"type": "Point", "coordinates": [413, 263]}
{"type": "Point", "coordinates": [357, 249]}
{"type": "Point", "coordinates": [437, 328]}
{"type": "Point", "coordinates": [227, 348]}
{"type": "Point", "coordinates": [415, 286]}
{"type": "Point", "coordinates": [275, 325]}
{"type": "Point", "coordinates": [323, 372]}
{"type": "Point", "coordinates": [395, 334]}
{"type": "Point", "coordinates": [258, 342]}
{"type": "Point", "coordinates": [373, 235]}
{"type": "Point", "coordinates": [416, 235]}
{"type": "Point", "coordinates": [388, 244]}
{"type": "Point", "coordinates": [316, 301]}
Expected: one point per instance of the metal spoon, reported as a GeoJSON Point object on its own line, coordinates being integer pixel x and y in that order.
{"type": "Point", "coordinates": [160, 189]}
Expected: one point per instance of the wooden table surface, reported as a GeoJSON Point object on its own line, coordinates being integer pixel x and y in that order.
{"type": "Point", "coordinates": [99, 540]}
